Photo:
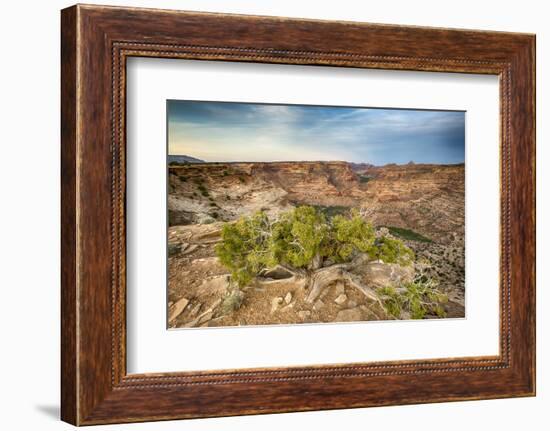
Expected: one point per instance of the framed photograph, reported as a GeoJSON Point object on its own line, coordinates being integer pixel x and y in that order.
{"type": "Point", "coordinates": [322, 214]}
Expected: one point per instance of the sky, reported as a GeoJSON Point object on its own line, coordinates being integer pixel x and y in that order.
{"type": "Point", "coordinates": [231, 132]}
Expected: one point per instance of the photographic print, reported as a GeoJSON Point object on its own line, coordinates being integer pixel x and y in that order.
{"type": "Point", "coordinates": [291, 214]}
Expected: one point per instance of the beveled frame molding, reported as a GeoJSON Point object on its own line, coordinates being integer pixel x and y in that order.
{"type": "Point", "coordinates": [96, 41]}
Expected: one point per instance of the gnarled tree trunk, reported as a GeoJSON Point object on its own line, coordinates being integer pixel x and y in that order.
{"type": "Point", "coordinates": [324, 277]}
{"type": "Point", "coordinates": [352, 274]}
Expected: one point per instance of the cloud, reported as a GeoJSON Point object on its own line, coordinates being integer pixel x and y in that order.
{"type": "Point", "coordinates": [221, 131]}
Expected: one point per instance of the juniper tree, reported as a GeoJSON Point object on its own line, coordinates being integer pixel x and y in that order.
{"type": "Point", "coordinates": [302, 239]}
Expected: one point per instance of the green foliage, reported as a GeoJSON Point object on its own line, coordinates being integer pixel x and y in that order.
{"type": "Point", "coordinates": [301, 238]}
{"type": "Point", "coordinates": [242, 180]}
{"type": "Point", "coordinates": [419, 298]}
{"type": "Point", "coordinates": [352, 234]}
{"type": "Point", "coordinates": [245, 248]}
{"type": "Point", "coordinates": [391, 250]}
{"type": "Point", "coordinates": [364, 179]}
{"type": "Point", "coordinates": [182, 178]}
{"type": "Point", "coordinates": [393, 302]}
{"type": "Point", "coordinates": [407, 234]}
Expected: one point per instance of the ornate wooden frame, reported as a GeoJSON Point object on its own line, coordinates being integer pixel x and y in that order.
{"type": "Point", "coordinates": [95, 42]}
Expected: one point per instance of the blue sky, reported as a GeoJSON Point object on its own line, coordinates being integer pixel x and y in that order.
{"type": "Point", "coordinates": [227, 131]}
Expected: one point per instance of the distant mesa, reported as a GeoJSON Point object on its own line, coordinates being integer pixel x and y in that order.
{"type": "Point", "coordinates": [360, 166]}
{"type": "Point", "coordinates": [172, 159]}
{"type": "Point", "coordinates": [181, 159]}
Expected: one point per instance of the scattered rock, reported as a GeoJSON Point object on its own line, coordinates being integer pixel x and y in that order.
{"type": "Point", "coordinates": [288, 297]}
{"type": "Point", "coordinates": [341, 299]}
{"type": "Point", "coordinates": [177, 308]}
{"type": "Point", "coordinates": [352, 304]}
{"type": "Point", "coordinates": [318, 305]}
{"type": "Point", "coordinates": [193, 312]}
{"type": "Point", "coordinates": [204, 318]}
{"type": "Point", "coordinates": [215, 304]}
{"type": "Point", "coordinates": [190, 249]}
{"type": "Point", "coordinates": [275, 302]}
{"type": "Point", "coordinates": [348, 315]}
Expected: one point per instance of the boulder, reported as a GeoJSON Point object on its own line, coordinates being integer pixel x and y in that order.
{"type": "Point", "coordinates": [340, 299]}
{"type": "Point", "coordinates": [215, 284]}
{"type": "Point", "coordinates": [318, 305]}
{"type": "Point", "coordinates": [378, 274]}
{"type": "Point", "coordinates": [275, 302]}
{"type": "Point", "coordinates": [288, 297]}
{"type": "Point", "coordinates": [204, 317]}
{"type": "Point", "coordinates": [177, 308]}
{"type": "Point", "coordinates": [195, 309]}
{"type": "Point", "coordinates": [189, 249]}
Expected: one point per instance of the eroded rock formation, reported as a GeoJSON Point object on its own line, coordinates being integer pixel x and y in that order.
{"type": "Point", "coordinates": [426, 202]}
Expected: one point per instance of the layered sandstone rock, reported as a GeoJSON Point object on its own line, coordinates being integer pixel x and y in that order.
{"type": "Point", "coordinates": [428, 199]}
{"type": "Point", "coordinates": [224, 191]}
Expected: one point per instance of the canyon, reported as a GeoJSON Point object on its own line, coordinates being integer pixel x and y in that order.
{"type": "Point", "coordinates": [421, 204]}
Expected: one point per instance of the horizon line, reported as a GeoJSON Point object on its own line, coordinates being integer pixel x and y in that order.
{"type": "Point", "coordinates": [203, 162]}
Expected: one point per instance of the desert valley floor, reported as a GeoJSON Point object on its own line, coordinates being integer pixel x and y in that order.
{"type": "Point", "coordinates": [423, 205]}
